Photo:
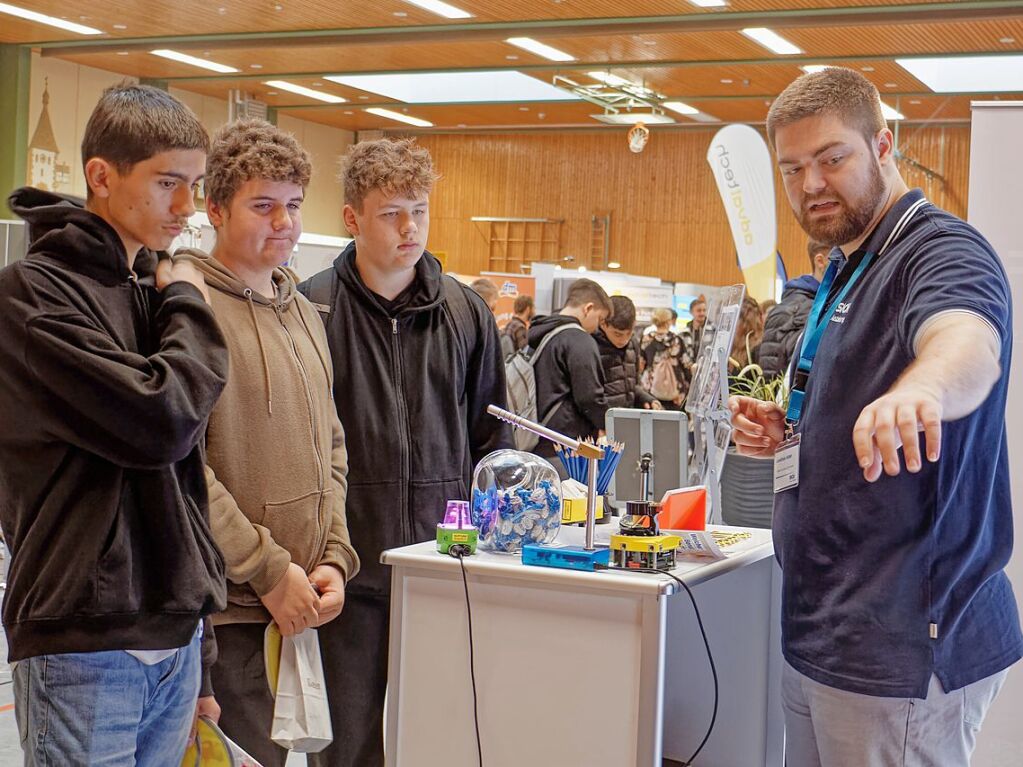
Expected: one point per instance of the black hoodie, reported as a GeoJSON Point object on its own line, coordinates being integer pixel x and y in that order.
{"type": "Point", "coordinates": [568, 372]}
{"type": "Point", "coordinates": [105, 389]}
{"type": "Point", "coordinates": [412, 382]}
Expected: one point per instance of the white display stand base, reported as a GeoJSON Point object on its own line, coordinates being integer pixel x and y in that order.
{"type": "Point", "coordinates": [573, 668]}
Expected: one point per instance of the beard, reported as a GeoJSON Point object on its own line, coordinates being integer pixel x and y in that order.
{"type": "Point", "coordinates": [851, 220]}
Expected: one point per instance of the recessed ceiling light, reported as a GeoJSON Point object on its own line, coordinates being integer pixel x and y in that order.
{"type": "Point", "coordinates": [271, 93]}
{"type": "Point", "coordinates": [461, 125]}
{"type": "Point", "coordinates": [278, 7]}
{"type": "Point", "coordinates": [184, 58]}
{"type": "Point", "coordinates": [771, 40]}
{"type": "Point", "coordinates": [891, 85]}
{"type": "Point", "coordinates": [400, 14]}
{"type": "Point", "coordinates": [970, 74]}
{"type": "Point", "coordinates": [364, 98]}
{"type": "Point", "coordinates": [649, 42]}
{"type": "Point", "coordinates": [891, 114]}
{"type": "Point", "coordinates": [609, 79]}
{"type": "Point", "coordinates": [512, 57]}
{"type": "Point", "coordinates": [678, 106]}
{"type": "Point", "coordinates": [914, 101]}
{"type": "Point", "coordinates": [726, 81]}
{"type": "Point", "coordinates": [42, 18]}
{"type": "Point", "coordinates": [523, 109]}
{"type": "Point", "coordinates": [441, 9]}
{"type": "Point", "coordinates": [613, 265]}
{"type": "Point", "coordinates": [301, 90]}
{"type": "Point", "coordinates": [456, 87]}
{"type": "Point", "coordinates": [709, 3]}
{"type": "Point", "coordinates": [866, 69]}
{"type": "Point", "coordinates": [317, 85]}
{"type": "Point", "coordinates": [540, 49]}
{"type": "Point", "coordinates": [399, 117]}
{"type": "Point", "coordinates": [255, 66]}
{"type": "Point", "coordinates": [222, 11]}
{"type": "Point", "coordinates": [120, 26]}
{"type": "Point", "coordinates": [813, 68]}
{"type": "Point", "coordinates": [349, 112]}
{"type": "Point", "coordinates": [122, 53]}
{"type": "Point", "coordinates": [1006, 40]}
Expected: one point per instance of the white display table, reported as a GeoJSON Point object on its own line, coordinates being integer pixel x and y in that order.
{"type": "Point", "coordinates": [579, 669]}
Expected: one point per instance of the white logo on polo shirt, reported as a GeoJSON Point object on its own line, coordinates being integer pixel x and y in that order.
{"type": "Point", "coordinates": [840, 311]}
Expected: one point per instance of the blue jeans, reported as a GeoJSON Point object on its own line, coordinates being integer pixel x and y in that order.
{"type": "Point", "coordinates": [106, 708]}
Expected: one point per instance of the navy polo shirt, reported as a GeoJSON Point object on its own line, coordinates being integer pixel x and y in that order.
{"type": "Point", "coordinates": [869, 567]}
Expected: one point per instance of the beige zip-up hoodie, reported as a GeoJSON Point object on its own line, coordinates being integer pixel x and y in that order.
{"type": "Point", "coordinates": [275, 450]}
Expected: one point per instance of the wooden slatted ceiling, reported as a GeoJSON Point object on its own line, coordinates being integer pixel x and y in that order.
{"type": "Point", "coordinates": [929, 108]}
{"type": "Point", "coordinates": [668, 217]}
{"type": "Point", "coordinates": [832, 43]}
{"type": "Point", "coordinates": [823, 42]}
{"type": "Point", "coordinates": [185, 17]}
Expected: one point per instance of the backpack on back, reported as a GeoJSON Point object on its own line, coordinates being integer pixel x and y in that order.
{"type": "Point", "coordinates": [660, 379]}
{"type": "Point", "coordinates": [521, 380]}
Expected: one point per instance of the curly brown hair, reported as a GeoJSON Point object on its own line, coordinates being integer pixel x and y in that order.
{"type": "Point", "coordinates": [252, 148]}
{"type": "Point", "coordinates": [835, 90]}
{"type": "Point", "coordinates": [394, 167]}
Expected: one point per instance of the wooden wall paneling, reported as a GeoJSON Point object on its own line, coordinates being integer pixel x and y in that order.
{"type": "Point", "coordinates": [668, 217]}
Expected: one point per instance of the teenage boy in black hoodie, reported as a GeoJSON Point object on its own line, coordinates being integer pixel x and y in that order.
{"type": "Point", "coordinates": [417, 360]}
{"type": "Point", "coordinates": [110, 366]}
{"type": "Point", "coordinates": [569, 377]}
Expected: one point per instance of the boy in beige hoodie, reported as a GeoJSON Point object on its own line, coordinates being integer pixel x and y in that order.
{"type": "Point", "coordinates": [276, 458]}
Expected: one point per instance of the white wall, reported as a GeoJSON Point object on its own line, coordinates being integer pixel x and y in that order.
{"type": "Point", "coordinates": [996, 188]}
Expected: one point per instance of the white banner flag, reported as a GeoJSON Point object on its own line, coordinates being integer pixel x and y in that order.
{"type": "Point", "coordinates": [741, 163]}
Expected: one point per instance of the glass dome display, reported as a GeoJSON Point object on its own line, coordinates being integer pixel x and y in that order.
{"type": "Point", "coordinates": [516, 499]}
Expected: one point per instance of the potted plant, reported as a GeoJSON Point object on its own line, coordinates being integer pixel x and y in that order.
{"type": "Point", "coordinates": [747, 484]}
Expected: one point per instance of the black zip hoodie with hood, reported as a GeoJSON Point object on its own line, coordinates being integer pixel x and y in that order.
{"type": "Point", "coordinates": [105, 389]}
{"type": "Point", "coordinates": [412, 390]}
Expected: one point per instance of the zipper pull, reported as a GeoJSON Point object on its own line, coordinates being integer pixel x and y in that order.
{"type": "Point", "coordinates": [394, 325]}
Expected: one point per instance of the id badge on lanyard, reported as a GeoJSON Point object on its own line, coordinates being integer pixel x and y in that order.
{"type": "Point", "coordinates": [786, 456]}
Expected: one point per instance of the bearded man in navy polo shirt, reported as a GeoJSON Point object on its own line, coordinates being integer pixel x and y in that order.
{"type": "Point", "coordinates": [898, 622]}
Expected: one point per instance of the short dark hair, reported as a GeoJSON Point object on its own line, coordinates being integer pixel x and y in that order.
{"type": "Point", "coordinates": [132, 123]}
{"type": "Point", "coordinates": [522, 303]}
{"type": "Point", "coordinates": [486, 289]}
{"type": "Point", "coordinates": [253, 149]}
{"type": "Point", "coordinates": [813, 248]}
{"type": "Point", "coordinates": [838, 91]}
{"type": "Point", "coordinates": [584, 291]}
{"type": "Point", "coordinates": [623, 317]}
{"type": "Point", "coordinates": [694, 303]}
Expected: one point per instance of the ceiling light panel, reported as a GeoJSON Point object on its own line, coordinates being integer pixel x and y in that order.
{"type": "Point", "coordinates": [540, 49]}
{"type": "Point", "coordinates": [52, 21]}
{"type": "Point", "coordinates": [446, 10]}
{"type": "Point", "coordinates": [678, 106]}
{"type": "Point", "coordinates": [709, 3]}
{"type": "Point", "coordinates": [194, 61]}
{"type": "Point", "coordinates": [301, 90]}
{"type": "Point", "coordinates": [969, 74]}
{"type": "Point", "coordinates": [455, 87]}
{"type": "Point", "coordinates": [771, 40]}
{"type": "Point", "coordinates": [398, 116]}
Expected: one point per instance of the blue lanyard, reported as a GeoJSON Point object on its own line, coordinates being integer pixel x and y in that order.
{"type": "Point", "coordinates": [816, 324]}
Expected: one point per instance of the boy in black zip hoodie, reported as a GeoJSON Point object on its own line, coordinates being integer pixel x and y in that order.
{"type": "Point", "coordinates": [416, 361]}
{"type": "Point", "coordinates": [110, 366]}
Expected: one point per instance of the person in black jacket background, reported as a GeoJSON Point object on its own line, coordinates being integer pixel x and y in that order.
{"type": "Point", "coordinates": [110, 365]}
{"type": "Point", "coordinates": [569, 379]}
{"type": "Point", "coordinates": [619, 358]}
{"type": "Point", "coordinates": [416, 360]}
{"type": "Point", "coordinates": [787, 319]}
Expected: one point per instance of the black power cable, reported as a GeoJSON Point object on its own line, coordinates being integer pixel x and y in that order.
{"type": "Point", "coordinates": [459, 552]}
{"type": "Point", "coordinates": [706, 644]}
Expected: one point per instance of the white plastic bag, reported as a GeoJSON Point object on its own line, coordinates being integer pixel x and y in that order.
{"type": "Point", "coordinates": [301, 714]}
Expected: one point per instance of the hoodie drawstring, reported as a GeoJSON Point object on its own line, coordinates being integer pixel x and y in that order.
{"type": "Point", "coordinates": [262, 351]}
